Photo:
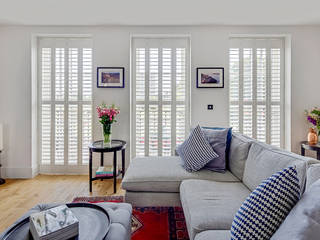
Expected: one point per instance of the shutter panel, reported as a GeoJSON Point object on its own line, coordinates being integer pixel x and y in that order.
{"type": "Point", "coordinates": [140, 130]}
{"type": "Point", "coordinates": [73, 134]}
{"type": "Point", "coordinates": [255, 89]}
{"type": "Point", "coordinates": [59, 74]}
{"type": "Point", "coordinates": [87, 74]}
{"type": "Point", "coordinates": [59, 134]}
{"type": "Point", "coordinates": [46, 74]}
{"type": "Point", "coordinates": [45, 134]}
{"type": "Point", "coordinates": [159, 95]}
{"type": "Point", "coordinates": [73, 74]}
{"type": "Point", "coordinates": [86, 131]}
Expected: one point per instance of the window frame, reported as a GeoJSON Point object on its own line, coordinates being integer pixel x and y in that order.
{"type": "Point", "coordinates": [285, 84]}
{"type": "Point", "coordinates": [81, 42]}
{"type": "Point", "coordinates": [133, 101]}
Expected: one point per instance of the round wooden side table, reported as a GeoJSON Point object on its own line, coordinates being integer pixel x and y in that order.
{"type": "Point", "coordinates": [114, 146]}
{"type": "Point", "coordinates": [306, 146]}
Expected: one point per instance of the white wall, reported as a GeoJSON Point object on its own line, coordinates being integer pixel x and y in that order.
{"type": "Point", "coordinates": [111, 48]}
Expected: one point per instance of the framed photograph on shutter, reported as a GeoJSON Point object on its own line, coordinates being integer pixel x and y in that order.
{"type": "Point", "coordinates": [210, 77]}
{"type": "Point", "coordinates": [110, 77]}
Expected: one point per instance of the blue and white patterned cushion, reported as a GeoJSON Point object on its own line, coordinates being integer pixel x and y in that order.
{"type": "Point", "coordinates": [196, 151]}
{"type": "Point", "coordinates": [267, 206]}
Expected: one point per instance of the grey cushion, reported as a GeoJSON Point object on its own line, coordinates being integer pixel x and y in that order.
{"type": "Point", "coordinates": [210, 205]}
{"type": "Point", "coordinates": [217, 139]}
{"type": "Point", "coordinates": [303, 222]}
{"type": "Point", "coordinates": [264, 161]}
{"type": "Point", "coordinates": [153, 199]}
{"type": "Point", "coordinates": [196, 151]}
{"type": "Point", "coordinates": [313, 174]}
{"type": "Point", "coordinates": [238, 154]}
{"type": "Point", "coordinates": [120, 215]}
{"type": "Point", "coordinates": [164, 174]}
{"type": "Point", "coordinates": [213, 235]}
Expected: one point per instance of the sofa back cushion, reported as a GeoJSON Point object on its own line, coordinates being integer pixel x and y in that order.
{"type": "Point", "coordinates": [264, 160]}
{"type": "Point", "coordinates": [313, 174]}
{"type": "Point", "coordinates": [238, 154]}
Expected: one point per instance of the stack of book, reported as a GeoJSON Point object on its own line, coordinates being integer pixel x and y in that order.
{"type": "Point", "coordinates": [57, 223]}
{"type": "Point", "coordinates": [105, 172]}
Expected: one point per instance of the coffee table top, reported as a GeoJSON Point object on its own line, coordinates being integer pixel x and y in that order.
{"type": "Point", "coordinates": [115, 145]}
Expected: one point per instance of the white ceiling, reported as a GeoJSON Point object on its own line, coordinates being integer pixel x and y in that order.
{"type": "Point", "coordinates": [160, 12]}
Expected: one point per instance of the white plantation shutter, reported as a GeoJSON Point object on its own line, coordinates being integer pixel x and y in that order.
{"type": "Point", "coordinates": [65, 94]}
{"type": "Point", "coordinates": [160, 95]}
{"type": "Point", "coordinates": [256, 74]}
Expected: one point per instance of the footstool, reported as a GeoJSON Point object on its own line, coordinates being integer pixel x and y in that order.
{"type": "Point", "coordinates": [120, 216]}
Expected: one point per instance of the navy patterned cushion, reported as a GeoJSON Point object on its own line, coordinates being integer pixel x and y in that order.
{"type": "Point", "coordinates": [196, 151]}
{"type": "Point", "coordinates": [267, 206]}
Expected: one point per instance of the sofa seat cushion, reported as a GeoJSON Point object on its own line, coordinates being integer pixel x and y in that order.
{"type": "Point", "coordinates": [210, 205]}
{"type": "Point", "coordinates": [213, 235]}
{"type": "Point", "coordinates": [263, 161]}
{"type": "Point", "coordinates": [165, 174]}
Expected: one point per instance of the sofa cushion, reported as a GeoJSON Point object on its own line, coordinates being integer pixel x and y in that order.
{"type": "Point", "coordinates": [263, 161]}
{"type": "Point", "coordinates": [303, 222]}
{"type": "Point", "coordinates": [164, 174]}
{"type": "Point", "coordinates": [213, 235]}
{"type": "Point", "coordinates": [313, 174]}
{"type": "Point", "coordinates": [238, 154]}
{"type": "Point", "coordinates": [217, 139]}
{"type": "Point", "coordinates": [210, 205]}
{"type": "Point", "coordinates": [196, 151]}
{"type": "Point", "coordinates": [264, 210]}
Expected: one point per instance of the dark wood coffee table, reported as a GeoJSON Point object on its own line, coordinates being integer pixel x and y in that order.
{"type": "Point", "coordinates": [114, 146]}
{"type": "Point", "coordinates": [306, 146]}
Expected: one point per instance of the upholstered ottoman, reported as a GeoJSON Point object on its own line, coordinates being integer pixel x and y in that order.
{"type": "Point", "coordinates": [120, 216]}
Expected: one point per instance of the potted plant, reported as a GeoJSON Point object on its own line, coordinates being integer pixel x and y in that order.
{"type": "Point", "coordinates": [107, 115]}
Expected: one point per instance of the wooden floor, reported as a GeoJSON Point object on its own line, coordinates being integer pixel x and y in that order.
{"type": "Point", "coordinates": [17, 196]}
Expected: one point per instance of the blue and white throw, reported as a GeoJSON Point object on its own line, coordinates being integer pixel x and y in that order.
{"type": "Point", "coordinates": [267, 206]}
{"type": "Point", "coordinates": [196, 151]}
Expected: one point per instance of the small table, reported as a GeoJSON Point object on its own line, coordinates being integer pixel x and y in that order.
{"type": "Point", "coordinates": [306, 146]}
{"type": "Point", "coordinates": [114, 146]}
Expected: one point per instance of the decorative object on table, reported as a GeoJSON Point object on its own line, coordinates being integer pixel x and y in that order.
{"type": "Point", "coordinates": [272, 199]}
{"type": "Point", "coordinates": [312, 137]}
{"type": "Point", "coordinates": [54, 223]}
{"type": "Point", "coordinates": [110, 77]}
{"type": "Point", "coordinates": [210, 77]}
{"type": "Point", "coordinates": [107, 116]}
{"type": "Point", "coordinates": [2, 181]}
{"type": "Point", "coordinates": [100, 147]}
{"type": "Point", "coordinates": [313, 118]}
{"type": "Point", "coordinates": [94, 222]}
{"type": "Point", "coordinates": [105, 171]}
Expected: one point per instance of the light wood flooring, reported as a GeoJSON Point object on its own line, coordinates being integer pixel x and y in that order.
{"type": "Point", "coordinates": [18, 196]}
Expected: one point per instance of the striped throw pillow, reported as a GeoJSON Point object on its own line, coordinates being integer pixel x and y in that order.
{"type": "Point", "coordinates": [267, 206]}
{"type": "Point", "coordinates": [196, 151]}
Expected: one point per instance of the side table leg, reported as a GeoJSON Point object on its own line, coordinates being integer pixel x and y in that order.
{"type": "Point", "coordinates": [303, 151]}
{"type": "Point", "coordinates": [318, 154]}
{"type": "Point", "coordinates": [101, 161]}
{"type": "Point", "coordinates": [114, 171]}
{"type": "Point", "coordinates": [123, 153]}
{"type": "Point", "coordinates": [90, 170]}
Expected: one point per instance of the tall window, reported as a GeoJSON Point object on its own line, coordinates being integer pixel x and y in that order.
{"type": "Point", "coordinates": [160, 95]}
{"type": "Point", "coordinates": [65, 95]}
{"type": "Point", "coordinates": [256, 92]}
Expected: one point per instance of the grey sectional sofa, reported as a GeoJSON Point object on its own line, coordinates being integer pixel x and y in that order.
{"type": "Point", "coordinates": [209, 199]}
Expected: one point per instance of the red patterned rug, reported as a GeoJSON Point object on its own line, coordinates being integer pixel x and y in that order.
{"type": "Point", "coordinates": [156, 223]}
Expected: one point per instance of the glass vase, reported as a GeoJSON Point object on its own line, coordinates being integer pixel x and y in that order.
{"type": "Point", "coordinates": [106, 134]}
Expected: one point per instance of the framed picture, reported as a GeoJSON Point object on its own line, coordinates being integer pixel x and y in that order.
{"type": "Point", "coordinates": [210, 77]}
{"type": "Point", "coordinates": [110, 77]}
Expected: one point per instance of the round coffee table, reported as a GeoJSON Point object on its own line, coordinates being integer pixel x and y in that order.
{"type": "Point", "coordinates": [306, 146]}
{"type": "Point", "coordinates": [100, 147]}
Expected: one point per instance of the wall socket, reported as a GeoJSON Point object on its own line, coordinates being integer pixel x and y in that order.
{"type": "Point", "coordinates": [210, 107]}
